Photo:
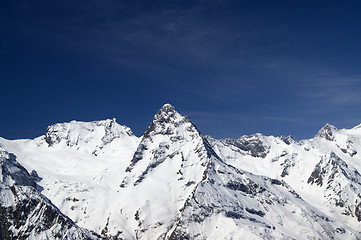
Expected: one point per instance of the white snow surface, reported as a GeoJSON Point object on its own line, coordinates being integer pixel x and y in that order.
{"type": "Point", "coordinates": [27, 214]}
{"type": "Point", "coordinates": [81, 169]}
{"type": "Point", "coordinates": [338, 159]}
{"type": "Point", "coordinates": [173, 183]}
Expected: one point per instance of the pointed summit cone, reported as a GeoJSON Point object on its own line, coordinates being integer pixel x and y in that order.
{"type": "Point", "coordinates": [169, 163]}
{"type": "Point", "coordinates": [166, 119]}
{"type": "Point", "coordinates": [167, 128]}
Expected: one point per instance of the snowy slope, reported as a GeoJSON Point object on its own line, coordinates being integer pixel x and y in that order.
{"type": "Point", "coordinates": [173, 183]}
{"type": "Point", "coordinates": [25, 213]}
{"type": "Point", "coordinates": [81, 166]}
{"type": "Point", "coordinates": [325, 170]}
{"type": "Point", "coordinates": [164, 171]}
{"type": "Point", "coordinates": [234, 204]}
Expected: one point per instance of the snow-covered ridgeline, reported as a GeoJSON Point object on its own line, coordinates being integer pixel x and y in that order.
{"type": "Point", "coordinates": [324, 170]}
{"type": "Point", "coordinates": [79, 164]}
{"type": "Point", "coordinates": [174, 183]}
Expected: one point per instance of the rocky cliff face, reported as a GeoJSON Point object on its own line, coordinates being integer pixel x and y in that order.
{"type": "Point", "coordinates": [174, 183]}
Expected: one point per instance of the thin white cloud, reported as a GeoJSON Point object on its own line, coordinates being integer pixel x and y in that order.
{"type": "Point", "coordinates": [295, 120]}
{"type": "Point", "coordinates": [334, 88]}
{"type": "Point", "coordinates": [170, 33]}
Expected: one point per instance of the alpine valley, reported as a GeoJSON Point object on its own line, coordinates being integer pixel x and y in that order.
{"type": "Point", "coordinates": [97, 180]}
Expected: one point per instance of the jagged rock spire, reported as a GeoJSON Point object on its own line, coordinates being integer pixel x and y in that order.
{"type": "Point", "coordinates": [327, 132]}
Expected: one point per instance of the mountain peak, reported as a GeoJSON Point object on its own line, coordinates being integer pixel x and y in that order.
{"type": "Point", "coordinates": [166, 120]}
{"type": "Point", "coordinates": [327, 132]}
{"type": "Point", "coordinates": [166, 114]}
{"type": "Point", "coordinates": [167, 106]}
{"type": "Point", "coordinates": [82, 135]}
{"type": "Point", "coordinates": [167, 126]}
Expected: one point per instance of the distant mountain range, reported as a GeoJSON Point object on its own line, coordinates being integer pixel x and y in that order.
{"type": "Point", "coordinates": [97, 180]}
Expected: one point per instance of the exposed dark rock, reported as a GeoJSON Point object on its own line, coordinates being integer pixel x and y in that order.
{"type": "Point", "coordinates": [250, 144]}
{"type": "Point", "coordinates": [340, 230]}
{"type": "Point", "coordinates": [358, 212]}
{"type": "Point", "coordinates": [235, 215]}
{"type": "Point", "coordinates": [190, 183]}
{"type": "Point", "coordinates": [138, 155]}
{"type": "Point", "coordinates": [317, 175]}
{"type": "Point", "coordinates": [276, 182]}
{"type": "Point", "coordinates": [35, 176]}
{"type": "Point", "coordinates": [288, 140]}
{"type": "Point", "coordinates": [238, 186]}
{"type": "Point", "coordinates": [179, 235]}
{"type": "Point", "coordinates": [287, 164]}
{"type": "Point", "coordinates": [327, 132]}
{"type": "Point", "coordinates": [256, 212]}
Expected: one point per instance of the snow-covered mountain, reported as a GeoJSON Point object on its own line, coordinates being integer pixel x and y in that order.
{"type": "Point", "coordinates": [324, 170]}
{"type": "Point", "coordinates": [81, 166]}
{"type": "Point", "coordinates": [174, 183]}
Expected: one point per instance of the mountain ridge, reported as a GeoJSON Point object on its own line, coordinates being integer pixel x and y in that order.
{"type": "Point", "coordinates": [175, 183]}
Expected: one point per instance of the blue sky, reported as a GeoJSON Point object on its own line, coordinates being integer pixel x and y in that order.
{"type": "Point", "coordinates": [234, 67]}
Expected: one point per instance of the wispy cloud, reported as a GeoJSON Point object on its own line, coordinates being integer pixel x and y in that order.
{"type": "Point", "coordinates": [171, 34]}
{"type": "Point", "coordinates": [294, 120]}
{"type": "Point", "coordinates": [336, 89]}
